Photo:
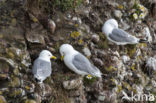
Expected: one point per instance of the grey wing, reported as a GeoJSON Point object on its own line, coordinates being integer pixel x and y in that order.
{"type": "Point", "coordinates": [41, 68]}
{"type": "Point", "coordinates": [83, 64]}
{"type": "Point", "coordinates": [120, 35]}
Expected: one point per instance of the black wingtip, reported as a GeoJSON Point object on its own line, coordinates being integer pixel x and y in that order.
{"type": "Point", "coordinates": [37, 80]}
{"type": "Point", "coordinates": [143, 41]}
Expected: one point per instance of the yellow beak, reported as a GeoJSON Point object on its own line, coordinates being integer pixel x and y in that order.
{"type": "Point", "coordinates": [53, 57]}
{"type": "Point", "coordinates": [62, 57]}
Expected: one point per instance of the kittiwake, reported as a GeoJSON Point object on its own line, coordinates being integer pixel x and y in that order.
{"type": "Point", "coordinates": [77, 62]}
{"type": "Point", "coordinates": [42, 66]}
{"type": "Point", "coordinates": [117, 35]}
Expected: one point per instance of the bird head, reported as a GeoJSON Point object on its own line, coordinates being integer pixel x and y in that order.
{"type": "Point", "coordinates": [65, 49]}
{"type": "Point", "coordinates": [47, 54]}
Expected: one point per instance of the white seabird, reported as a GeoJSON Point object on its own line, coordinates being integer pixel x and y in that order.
{"type": "Point", "coordinates": [42, 65]}
{"type": "Point", "coordinates": [77, 62]}
{"type": "Point", "coordinates": [117, 35]}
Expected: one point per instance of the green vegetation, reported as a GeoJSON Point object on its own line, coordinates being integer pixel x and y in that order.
{"type": "Point", "coordinates": [67, 4]}
{"type": "Point", "coordinates": [63, 5]}
{"type": "Point", "coordinates": [89, 79]}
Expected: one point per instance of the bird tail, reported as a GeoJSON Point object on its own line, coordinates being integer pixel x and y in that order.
{"type": "Point", "coordinates": [143, 41]}
{"type": "Point", "coordinates": [98, 74]}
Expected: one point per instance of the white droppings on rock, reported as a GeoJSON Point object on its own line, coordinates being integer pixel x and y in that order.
{"type": "Point", "coordinates": [86, 51]}
{"type": "Point", "coordinates": [125, 58]}
{"type": "Point", "coordinates": [78, 20]}
{"type": "Point", "coordinates": [146, 31]}
{"type": "Point", "coordinates": [153, 83]}
{"type": "Point", "coordinates": [95, 38]}
{"type": "Point", "coordinates": [151, 63]}
{"type": "Point", "coordinates": [68, 16]}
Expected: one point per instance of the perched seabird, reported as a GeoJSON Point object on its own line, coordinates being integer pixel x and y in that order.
{"type": "Point", "coordinates": [42, 66]}
{"type": "Point", "coordinates": [117, 35]}
{"type": "Point", "coordinates": [77, 62]}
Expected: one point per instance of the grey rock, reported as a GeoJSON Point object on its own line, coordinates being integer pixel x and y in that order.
{"type": "Point", "coordinates": [98, 62]}
{"type": "Point", "coordinates": [83, 10]}
{"type": "Point", "coordinates": [30, 101]}
{"type": "Point", "coordinates": [2, 99]}
{"type": "Point", "coordinates": [101, 53]}
{"type": "Point", "coordinates": [86, 51]}
{"type": "Point", "coordinates": [85, 28]}
{"type": "Point", "coordinates": [101, 98]}
{"type": "Point", "coordinates": [77, 20]}
{"type": "Point", "coordinates": [4, 76]}
{"type": "Point", "coordinates": [47, 91]}
{"type": "Point", "coordinates": [125, 26]}
{"type": "Point", "coordinates": [72, 84]}
{"type": "Point", "coordinates": [38, 98]}
{"type": "Point", "coordinates": [147, 34]}
{"type": "Point", "coordinates": [36, 34]}
{"type": "Point", "coordinates": [130, 3]}
{"type": "Point", "coordinates": [118, 14]}
{"type": "Point", "coordinates": [74, 93]}
{"type": "Point", "coordinates": [16, 92]}
{"type": "Point", "coordinates": [95, 38]}
{"type": "Point", "coordinates": [51, 26]}
{"type": "Point", "coordinates": [151, 63]}
{"type": "Point", "coordinates": [34, 37]}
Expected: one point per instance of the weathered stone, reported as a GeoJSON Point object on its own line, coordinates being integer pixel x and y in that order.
{"type": "Point", "coordinates": [77, 20]}
{"type": "Point", "coordinates": [74, 93]}
{"type": "Point", "coordinates": [151, 63]}
{"type": "Point", "coordinates": [95, 38]}
{"type": "Point", "coordinates": [101, 98]}
{"type": "Point", "coordinates": [83, 10]}
{"type": "Point", "coordinates": [72, 84]}
{"type": "Point", "coordinates": [34, 37]}
{"type": "Point", "coordinates": [118, 14]}
{"type": "Point", "coordinates": [4, 76]}
{"type": "Point", "coordinates": [98, 62]}
{"type": "Point", "coordinates": [87, 51]}
{"type": "Point", "coordinates": [16, 92]}
{"type": "Point", "coordinates": [51, 26]}
{"type": "Point", "coordinates": [101, 53]}
{"type": "Point", "coordinates": [47, 91]}
{"type": "Point", "coordinates": [30, 101]}
{"type": "Point", "coordinates": [38, 98]}
{"type": "Point", "coordinates": [147, 34]}
{"type": "Point", "coordinates": [125, 26]}
{"type": "Point", "coordinates": [6, 65]}
{"type": "Point", "coordinates": [15, 82]}
{"type": "Point", "coordinates": [2, 99]}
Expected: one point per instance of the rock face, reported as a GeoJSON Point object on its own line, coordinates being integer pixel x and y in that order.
{"type": "Point", "coordinates": [27, 27]}
{"type": "Point", "coordinates": [73, 84]}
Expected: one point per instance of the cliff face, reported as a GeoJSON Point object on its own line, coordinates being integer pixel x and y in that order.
{"type": "Point", "coordinates": [27, 27]}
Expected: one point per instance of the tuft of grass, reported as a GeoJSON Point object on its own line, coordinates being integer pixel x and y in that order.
{"type": "Point", "coordinates": [89, 79]}
{"type": "Point", "coordinates": [63, 5]}
{"type": "Point", "coordinates": [103, 44]}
